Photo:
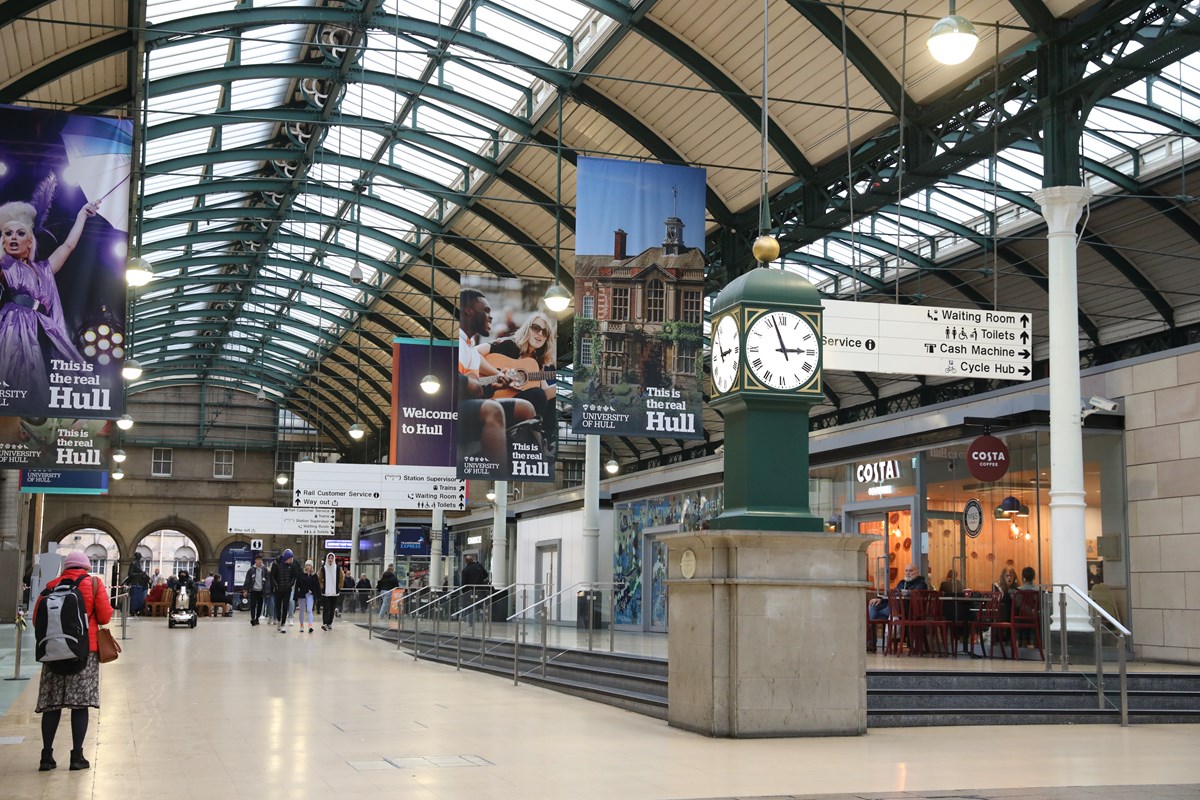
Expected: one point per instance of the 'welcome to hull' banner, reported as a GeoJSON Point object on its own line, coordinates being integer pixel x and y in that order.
{"type": "Point", "coordinates": [639, 300]}
{"type": "Point", "coordinates": [424, 426]}
{"type": "Point", "coordinates": [507, 347]}
{"type": "Point", "coordinates": [63, 444]}
{"type": "Point", "coordinates": [62, 320]}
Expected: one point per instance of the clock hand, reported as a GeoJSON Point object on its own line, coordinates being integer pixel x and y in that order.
{"type": "Point", "coordinates": [783, 348]}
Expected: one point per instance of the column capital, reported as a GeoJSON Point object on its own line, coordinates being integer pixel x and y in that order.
{"type": "Point", "coordinates": [1062, 205]}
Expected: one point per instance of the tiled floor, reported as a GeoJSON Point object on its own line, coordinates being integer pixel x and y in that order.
{"type": "Point", "coordinates": [231, 711]}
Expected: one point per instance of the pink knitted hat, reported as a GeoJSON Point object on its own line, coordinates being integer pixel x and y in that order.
{"type": "Point", "coordinates": [76, 560]}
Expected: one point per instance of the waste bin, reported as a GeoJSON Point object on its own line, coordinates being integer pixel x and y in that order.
{"type": "Point", "coordinates": [499, 605]}
{"type": "Point", "coordinates": [581, 609]}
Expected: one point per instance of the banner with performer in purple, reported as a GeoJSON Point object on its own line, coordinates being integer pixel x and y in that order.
{"type": "Point", "coordinates": [507, 357]}
{"type": "Point", "coordinates": [64, 208]}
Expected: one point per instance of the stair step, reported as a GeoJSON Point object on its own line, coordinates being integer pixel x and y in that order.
{"type": "Point", "coordinates": [908, 698]}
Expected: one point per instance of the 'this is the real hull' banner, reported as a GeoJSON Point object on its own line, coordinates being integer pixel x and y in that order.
{"type": "Point", "coordinates": [64, 202]}
{"type": "Point", "coordinates": [507, 348]}
{"type": "Point", "coordinates": [424, 426]}
{"type": "Point", "coordinates": [639, 300]}
{"type": "Point", "coordinates": [55, 444]}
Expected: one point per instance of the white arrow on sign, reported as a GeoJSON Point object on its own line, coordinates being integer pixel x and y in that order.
{"type": "Point", "coordinates": [378, 486]}
{"type": "Point", "coordinates": [926, 340]}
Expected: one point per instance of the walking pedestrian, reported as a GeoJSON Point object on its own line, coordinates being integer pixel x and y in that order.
{"type": "Point", "coordinates": [331, 579]}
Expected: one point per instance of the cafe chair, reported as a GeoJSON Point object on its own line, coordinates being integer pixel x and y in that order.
{"type": "Point", "coordinates": [1026, 611]}
{"type": "Point", "coordinates": [990, 618]}
{"type": "Point", "coordinates": [922, 625]}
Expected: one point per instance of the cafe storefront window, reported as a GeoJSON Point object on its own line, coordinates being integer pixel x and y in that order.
{"type": "Point", "coordinates": [914, 503]}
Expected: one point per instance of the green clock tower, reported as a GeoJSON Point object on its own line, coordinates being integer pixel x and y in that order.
{"type": "Point", "coordinates": [766, 623]}
{"type": "Point", "coordinates": [766, 375]}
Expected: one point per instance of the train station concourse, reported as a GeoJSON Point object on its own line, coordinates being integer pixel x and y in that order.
{"type": "Point", "coordinates": [825, 420]}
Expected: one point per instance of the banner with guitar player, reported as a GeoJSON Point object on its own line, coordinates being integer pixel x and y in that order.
{"type": "Point", "coordinates": [507, 348]}
{"type": "Point", "coordinates": [639, 300]}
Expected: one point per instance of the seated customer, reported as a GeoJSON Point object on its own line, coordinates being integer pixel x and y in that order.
{"type": "Point", "coordinates": [878, 610]}
{"type": "Point", "coordinates": [219, 597]}
{"type": "Point", "coordinates": [958, 614]}
{"type": "Point", "coordinates": [156, 592]}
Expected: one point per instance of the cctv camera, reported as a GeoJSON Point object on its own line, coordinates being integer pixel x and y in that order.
{"type": "Point", "coordinates": [1102, 404]}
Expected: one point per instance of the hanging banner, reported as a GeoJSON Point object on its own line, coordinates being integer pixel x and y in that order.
{"type": "Point", "coordinates": [507, 351]}
{"type": "Point", "coordinates": [424, 426]}
{"type": "Point", "coordinates": [639, 300]}
{"type": "Point", "coordinates": [72, 444]}
{"type": "Point", "coordinates": [64, 203]}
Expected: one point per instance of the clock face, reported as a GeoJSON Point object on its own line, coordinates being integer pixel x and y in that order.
{"type": "Point", "coordinates": [782, 350]}
{"type": "Point", "coordinates": [726, 348]}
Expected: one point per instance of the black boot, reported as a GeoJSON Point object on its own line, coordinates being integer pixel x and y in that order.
{"type": "Point", "coordinates": [78, 761]}
{"type": "Point", "coordinates": [47, 760]}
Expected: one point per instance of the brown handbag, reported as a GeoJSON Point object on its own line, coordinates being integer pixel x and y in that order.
{"type": "Point", "coordinates": [106, 646]}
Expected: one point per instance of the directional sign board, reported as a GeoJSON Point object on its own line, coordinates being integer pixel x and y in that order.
{"type": "Point", "coordinates": [927, 340]}
{"type": "Point", "coordinates": [256, 520]}
{"type": "Point", "coordinates": [378, 486]}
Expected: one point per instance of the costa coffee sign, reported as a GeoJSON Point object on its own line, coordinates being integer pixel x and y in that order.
{"type": "Point", "coordinates": [987, 458]}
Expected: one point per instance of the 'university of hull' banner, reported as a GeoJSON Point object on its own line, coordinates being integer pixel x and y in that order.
{"type": "Point", "coordinates": [424, 426]}
{"type": "Point", "coordinates": [639, 300]}
{"type": "Point", "coordinates": [61, 444]}
{"type": "Point", "coordinates": [49, 481]}
{"type": "Point", "coordinates": [65, 200]}
{"type": "Point", "coordinates": [507, 349]}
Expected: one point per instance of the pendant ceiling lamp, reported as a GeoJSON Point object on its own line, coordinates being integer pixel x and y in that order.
{"type": "Point", "coordinates": [430, 384]}
{"type": "Point", "coordinates": [766, 246]}
{"type": "Point", "coordinates": [557, 298]}
{"type": "Point", "coordinates": [953, 38]}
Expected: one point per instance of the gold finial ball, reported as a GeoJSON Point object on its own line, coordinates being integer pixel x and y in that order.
{"type": "Point", "coordinates": [766, 249]}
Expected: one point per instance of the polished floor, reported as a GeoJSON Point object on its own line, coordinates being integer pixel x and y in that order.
{"type": "Point", "coordinates": [233, 711]}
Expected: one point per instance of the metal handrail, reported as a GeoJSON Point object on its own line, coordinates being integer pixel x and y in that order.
{"type": "Point", "coordinates": [435, 601]}
{"type": "Point", "coordinates": [1097, 608]}
{"type": "Point", "coordinates": [545, 599]}
{"type": "Point", "coordinates": [1098, 618]}
{"type": "Point", "coordinates": [494, 593]}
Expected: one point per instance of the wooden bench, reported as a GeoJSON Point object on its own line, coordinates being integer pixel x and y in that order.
{"type": "Point", "coordinates": [204, 606]}
{"type": "Point", "coordinates": [159, 608]}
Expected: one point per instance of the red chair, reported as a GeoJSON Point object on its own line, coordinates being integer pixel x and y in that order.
{"type": "Point", "coordinates": [921, 619]}
{"type": "Point", "coordinates": [1026, 616]}
{"type": "Point", "coordinates": [990, 617]}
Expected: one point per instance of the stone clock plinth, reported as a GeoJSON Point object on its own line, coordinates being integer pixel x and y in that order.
{"type": "Point", "coordinates": [767, 634]}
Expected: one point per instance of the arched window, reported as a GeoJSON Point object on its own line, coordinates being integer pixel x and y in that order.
{"type": "Point", "coordinates": [144, 557]}
{"type": "Point", "coordinates": [185, 559]}
{"type": "Point", "coordinates": [656, 301]}
{"type": "Point", "coordinates": [98, 556]}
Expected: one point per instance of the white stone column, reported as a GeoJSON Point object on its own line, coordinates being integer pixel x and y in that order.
{"type": "Point", "coordinates": [389, 540]}
{"type": "Point", "coordinates": [435, 548]}
{"type": "Point", "coordinates": [499, 568]}
{"type": "Point", "coordinates": [1062, 206]}
{"type": "Point", "coordinates": [355, 534]}
{"type": "Point", "coordinates": [591, 509]}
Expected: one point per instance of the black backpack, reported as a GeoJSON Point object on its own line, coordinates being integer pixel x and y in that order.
{"type": "Point", "coordinates": [60, 624]}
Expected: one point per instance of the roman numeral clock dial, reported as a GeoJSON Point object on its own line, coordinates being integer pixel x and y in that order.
{"type": "Point", "coordinates": [726, 353]}
{"type": "Point", "coordinates": [782, 350]}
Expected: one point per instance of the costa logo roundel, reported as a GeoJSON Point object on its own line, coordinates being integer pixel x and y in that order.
{"type": "Point", "coordinates": [987, 458]}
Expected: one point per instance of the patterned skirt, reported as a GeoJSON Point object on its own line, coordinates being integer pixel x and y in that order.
{"type": "Point", "coordinates": [80, 690]}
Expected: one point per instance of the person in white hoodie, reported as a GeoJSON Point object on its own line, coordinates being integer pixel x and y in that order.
{"type": "Point", "coordinates": [330, 577]}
